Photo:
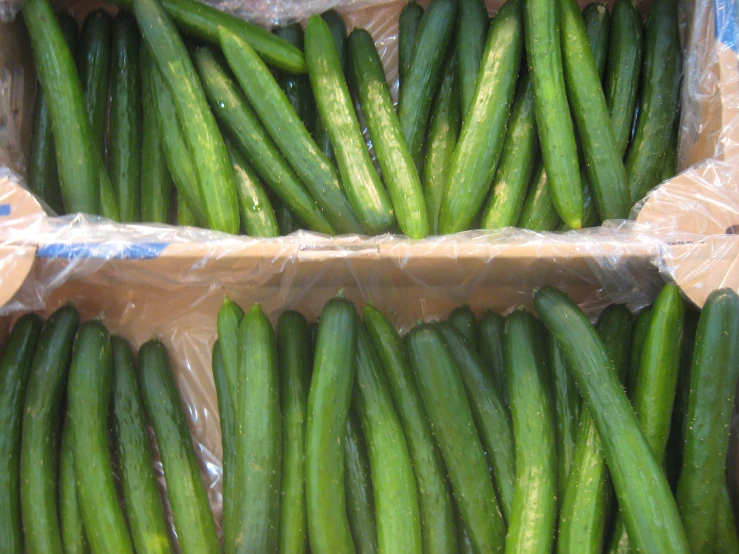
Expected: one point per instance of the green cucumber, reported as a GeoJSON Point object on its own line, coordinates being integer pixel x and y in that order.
{"type": "Point", "coordinates": [42, 413]}
{"type": "Point", "coordinates": [644, 496]}
{"type": "Point", "coordinates": [553, 117]}
{"type": "Point", "coordinates": [659, 93]}
{"type": "Point", "coordinates": [482, 137]}
{"type": "Point", "coordinates": [289, 133]}
{"type": "Point", "coordinates": [141, 498]}
{"type": "Point", "coordinates": [94, 56]}
{"type": "Point", "coordinates": [124, 146]}
{"type": "Point", "coordinates": [15, 368]}
{"type": "Point", "coordinates": [597, 21]}
{"type": "Point", "coordinates": [449, 413]}
{"type": "Point", "coordinates": [424, 72]}
{"type": "Point", "coordinates": [727, 541]}
{"type": "Point", "coordinates": [185, 216]}
{"type": "Point", "coordinates": [398, 168]}
{"type": "Point", "coordinates": [713, 379]}
{"type": "Point", "coordinates": [639, 335]}
{"type": "Point", "coordinates": [408, 23]}
{"type": "Point", "coordinates": [463, 318]}
{"type": "Point", "coordinates": [293, 355]}
{"type": "Point", "coordinates": [669, 158]}
{"type": "Point", "coordinates": [471, 34]}
{"type": "Point", "coordinates": [434, 495]}
{"type": "Point", "coordinates": [188, 499]}
{"type": "Point", "coordinates": [229, 319]}
{"type": "Point", "coordinates": [257, 214]}
{"type": "Point", "coordinates": [533, 517]}
{"type": "Point", "coordinates": [538, 213]}
{"type": "Point", "coordinates": [74, 537]}
{"type": "Point", "coordinates": [297, 87]}
{"type": "Point", "coordinates": [491, 346]}
{"type": "Point", "coordinates": [360, 504]}
{"type": "Point", "coordinates": [89, 394]}
{"type": "Point", "coordinates": [204, 140]}
{"type": "Point", "coordinates": [624, 66]}
{"type": "Point", "coordinates": [328, 407]}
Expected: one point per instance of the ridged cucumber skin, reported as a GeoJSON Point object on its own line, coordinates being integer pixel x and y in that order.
{"type": "Point", "coordinates": [643, 494]}
{"type": "Point", "coordinates": [538, 213]}
{"type": "Point", "coordinates": [408, 23]}
{"type": "Point", "coordinates": [15, 369]}
{"type": "Point", "coordinates": [188, 499]}
{"type": "Point", "coordinates": [491, 346]}
{"type": "Point", "coordinates": [471, 34]}
{"type": "Point", "coordinates": [258, 217]}
{"type": "Point", "coordinates": [534, 511]}
{"type": "Point", "coordinates": [42, 411]}
{"type": "Point", "coordinates": [74, 537]}
{"type": "Point", "coordinates": [360, 503]}
{"type": "Point", "coordinates": [483, 132]}
{"type": "Point", "coordinates": [328, 407]}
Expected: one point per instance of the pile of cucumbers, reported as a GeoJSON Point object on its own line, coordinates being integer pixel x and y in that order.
{"type": "Point", "coordinates": [76, 465]}
{"type": "Point", "coordinates": [515, 434]}
{"type": "Point", "coordinates": [544, 117]}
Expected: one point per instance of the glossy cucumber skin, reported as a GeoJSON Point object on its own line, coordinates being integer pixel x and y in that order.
{"type": "Point", "coordinates": [491, 346]}
{"type": "Point", "coordinates": [597, 21]}
{"type": "Point", "coordinates": [15, 369]}
{"type": "Point", "coordinates": [229, 319]}
{"type": "Point", "coordinates": [74, 537]}
{"type": "Point", "coordinates": [42, 412]}
{"type": "Point", "coordinates": [483, 129]}
{"type": "Point", "coordinates": [463, 318]}
{"type": "Point", "coordinates": [471, 34]}
{"type": "Point", "coordinates": [360, 503]}
{"type": "Point", "coordinates": [258, 217]}
{"type": "Point", "coordinates": [643, 494]}
{"type": "Point", "coordinates": [639, 335]}
{"type": "Point", "coordinates": [297, 87]}
{"type": "Point", "coordinates": [408, 23]}
{"type": "Point", "coordinates": [538, 213]}
{"type": "Point", "coordinates": [94, 56]}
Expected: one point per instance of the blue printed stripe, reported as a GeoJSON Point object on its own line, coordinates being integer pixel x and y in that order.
{"type": "Point", "coordinates": [4, 210]}
{"type": "Point", "coordinates": [725, 12]}
{"type": "Point", "coordinates": [140, 251]}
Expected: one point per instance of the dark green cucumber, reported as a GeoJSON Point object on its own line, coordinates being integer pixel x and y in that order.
{"type": "Point", "coordinates": [74, 537]}
{"type": "Point", "coordinates": [289, 133]}
{"type": "Point", "coordinates": [644, 496]}
{"type": "Point", "coordinates": [408, 23]}
{"type": "Point", "coordinates": [395, 160]}
{"type": "Point", "coordinates": [286, 220]}
{"type": "Point", "coordinates": [534, 512]}
{"type": "Point", "coordinates": [229, 319]}
{"type": "Point", "coordinates": [669, 158]}
{"type": "Point", "coordinates": [513, 175]}
{"type": "Point", "coordinates": [492, 419]}
{"type": "Point", "coordinates": [144, 509]}
{"type": "Point", "coordinates": [659, 93]}
{"type": "Point", "coordinates": [77, 165]}
{"type": "Point", "coordinates": [297, 87]}
{"type": "Point", "coordinates": [328, 408]}
{"type": "Point", "coordinates": [483, 129]}
{"type": "Point", "coordinates": [257, 214]}
{"type": "Point", "coordinates": [205, 143]}
{"type": "Point", "coordinates": [124, 146]}
{"type": "Point", "coordinates": [15, 368]}
{"type": "Point", "coordinates": [491, 346]}
{"type": "Point", "coordinates": [42, 413]}
{"type": "Point", "coordinates": [553, 117]}
{"type": "Point", "coordinates": [597, 21]}
{"type": "Point", "coordinates": [641, 326]}
{"type": "Point", "coordinates": [587, 492]}
{"type": "Point", "coordinates": [293, 355]}
{"type": "Point", "coordinates": [713, 377]}
{"type": "Point", "coordinates": [424, 72]}
{"type": "Point", "coordinates": [449, 413]}
{"type": "Point", "coordinates": [94, 56]}
{"type": "Point", "coordinates": [463, 318]}
{"type": "Point", "coordinates": [360, 503]}
{"type": "Point", "coordinates": [602, 160]}
{"type": "Point", "coordinates": [624, 66]}
{"type": "Point", "coordinates": [360, 180]}
{"type": "Point", "coordinates": [471, 34]}
{"type": "Point", "coordinates": [441, 142]}
{"type": "Point", "coordinates": [538, 213]}
{"type": "Point", "coordinates": [188, 499]}
{"type": "Point", "coordinates": [434, 495]}
{"type": "Point", "coordinates": [727, 540]}
{"type": "Point", "coordinates": [393, 481]}
{"type": "Point", "coordinates": [89, 394]}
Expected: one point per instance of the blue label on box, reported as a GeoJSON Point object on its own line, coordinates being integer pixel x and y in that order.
{"type": "Point", "coordinates": [4, 210]}
{"type": "Point", "coordinates": [106, 251]}
{"type": "Point", "coordinates": [725, 12]}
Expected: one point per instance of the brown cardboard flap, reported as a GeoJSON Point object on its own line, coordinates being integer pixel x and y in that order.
{"type": "Point", "coordinates": [15, 264]}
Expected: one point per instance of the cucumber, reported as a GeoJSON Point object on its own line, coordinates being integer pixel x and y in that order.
{"type": "Point", "coordinates": [248, 133]}
{"type": "Point", "coordinates": [553, 117]}
{"type": "Point", "coordinates": [124, 146]}
{"type": "Point", "coordinates": [393, 482]}
{"type": "Point", "coordinates": [533, 516]}
{"type": "Point", "coordinates": [362, 184]}
{"type": "Point", "coordinates": [441, 142]}
{"type": "Point", "coordinates": [42, 412]}
{"type": "Point", "coordinates": [448, 410]}
{"type": "Point", "coordinates": [434, 495]}
{"type": "Point", "coordinates": [669, 158]}
{"type": "Point", "coordinates": [513, 175]}
{"type": "Point", "coordinates": [229, 319]}
{"type": "Point", "coordinates": [713, 378]}
{"type": "Point", "coordinates": [89, 393]}
{"type": "Point", "coordinates": [398, 168]}
{"type": "Point", "coordinates": [144, 509]}
{"type": "Point", "coordinates": [602, 160]}
{"type": "Point", "coordinates": [257, 214]}
{"type": "Point", "coordinates": [659, 93]}
{"type": "Point", "coordinates": [538, 213]}
{"type": "Point", "coordinates": [641, 326]}
{"type": "Point", "coordinates": [74, 537]}
{"type": "Point", "coordinates": [424, 72]}
{"type": "Point", "coordinates": [275, 112]}
{"type": "Point", "coordinates": [408, 23]}
{"type": "Point", "coordinates": [293, 355]}
{"type": "Point", "coordinates": [77, 165]}
{"type": "Point", "coordinates": [15, 368]}
{"type": "Point", "coordinates": [589, 212]}
{"type": "Point", "coordinates": [297, 87]}
{"type": "Point", "coordinates": [588, 491]}
{"type": "Point", "coordinates": [188, 500]}
{"type": "Point", "coordinates": [491, 418]}
{"type": "Point", "coordinates": [483, 129]}
{"type": "Point", "coordinates": [644, 496]}
{"type": "Point", "coordinates": [597, 21]}
{"type": "Point", "coordinates": [463, 318]}
{"type": "Point", "coordinates": [491, 346]}
{"type": "Point", "coordinates": [94, 57]}
{"type": "Point", "coordinates": [360, 504]}
{"type": "Point", "coordinates": [328, 406]}
{"type": "Point", "coordinates": [108, 201]}
{"type": "Point", "coordinates": [205, 143]}
{"type": "Point", "coordinates": [471, 34]}
{"type": "Point", "coordinates": [727, 541]}
{"type": "Point", "coordinates": [624, 66]}
{"type": "Point", "coordinates": [185, 216]}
